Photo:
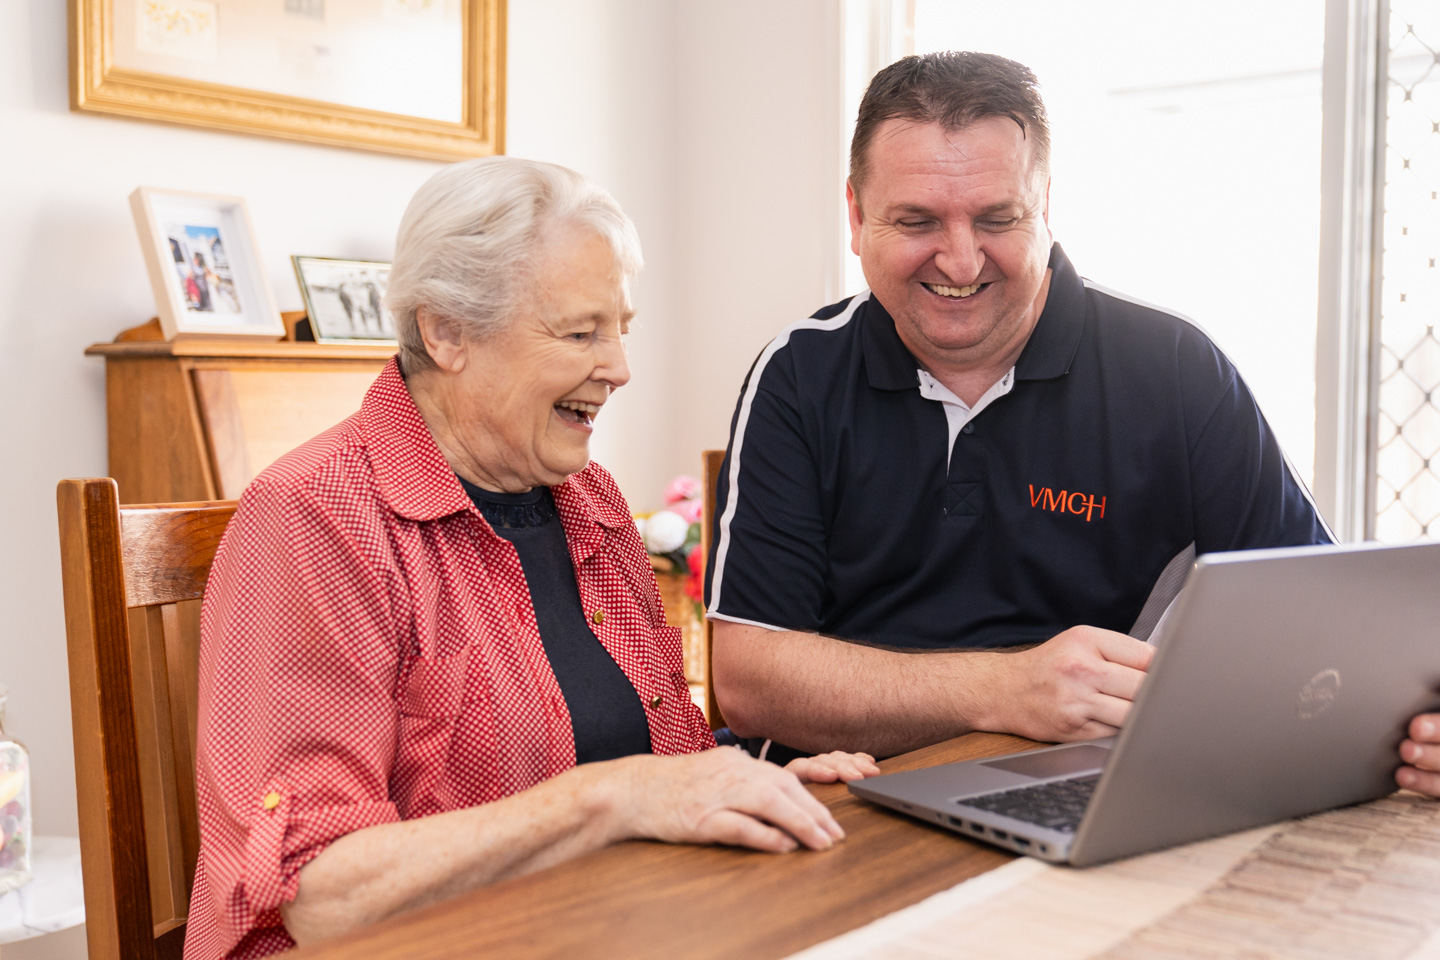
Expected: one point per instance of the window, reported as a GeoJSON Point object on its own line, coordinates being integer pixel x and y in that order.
{"type": "Point", "coordinates": [1404, 501]}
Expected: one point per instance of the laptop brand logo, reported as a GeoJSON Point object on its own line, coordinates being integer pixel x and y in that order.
{"type": "Point", "coordinates": [1081, 504]}
{"type": "Point", "coordinates": [1319, 694]}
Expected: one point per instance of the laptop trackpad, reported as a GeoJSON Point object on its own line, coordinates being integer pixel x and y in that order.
{"type": "Point", "coordinates": [1068, 761]}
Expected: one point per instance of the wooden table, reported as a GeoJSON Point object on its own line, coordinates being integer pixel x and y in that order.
{"type": "Point", "coordinates": [642, 899]}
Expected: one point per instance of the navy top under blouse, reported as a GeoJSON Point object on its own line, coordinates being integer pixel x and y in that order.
{"type": "Point", "coordinates": [605, 711]}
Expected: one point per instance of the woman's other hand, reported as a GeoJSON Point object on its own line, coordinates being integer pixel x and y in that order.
{"type": "Point", "coordinates": [723, 796]}
{"type": "Point", "coordinates": [832, 766]}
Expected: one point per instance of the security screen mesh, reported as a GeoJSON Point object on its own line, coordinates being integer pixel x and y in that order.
{"type": "Point", "coordinates": [1407, 422]}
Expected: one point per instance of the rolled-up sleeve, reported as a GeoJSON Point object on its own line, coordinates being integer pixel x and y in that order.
{"type": "Point", "coordinates": [298, 719]}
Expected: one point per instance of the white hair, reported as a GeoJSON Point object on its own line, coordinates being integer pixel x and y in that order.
{"type": "Point", "coordinates": [471, 233]}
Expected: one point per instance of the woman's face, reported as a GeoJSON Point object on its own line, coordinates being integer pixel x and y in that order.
{"type": "Point", "coordinates": [527, 396]}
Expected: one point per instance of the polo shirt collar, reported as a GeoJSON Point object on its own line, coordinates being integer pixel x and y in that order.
{"type": "Point", "coordinates": [889, 364]}
{"type": "Point", "coordinates": [1052, 344]}
{"type": "Point", "coordinates": [415, 478]}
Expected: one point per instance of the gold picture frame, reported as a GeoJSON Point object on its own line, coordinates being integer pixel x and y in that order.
{"type": "Point", "coordinates": [100, 84]}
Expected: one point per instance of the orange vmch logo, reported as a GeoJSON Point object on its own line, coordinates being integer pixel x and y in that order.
{"type": "Point", "coordinates": [1081, 504]}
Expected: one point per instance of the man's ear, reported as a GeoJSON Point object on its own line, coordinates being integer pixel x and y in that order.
{"type": "Point", "coordinates": [852, 203]}
{"type": "Point", "coordinates": [444, 340]}
{"type": "Point", "coordinates": [1047, 203]}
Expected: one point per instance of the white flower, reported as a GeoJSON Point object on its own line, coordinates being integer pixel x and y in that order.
{"type": "Point", "coordinates": [664, 532]}
{"type": "Point", "coordinates": [640, 525]}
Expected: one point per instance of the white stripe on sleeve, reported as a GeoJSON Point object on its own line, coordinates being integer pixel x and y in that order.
{"type": "Point", "coordinates": [737, 443]}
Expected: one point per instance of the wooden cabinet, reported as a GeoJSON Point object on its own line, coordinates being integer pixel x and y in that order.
{"type": "Point", "coordinates": [198, 419]}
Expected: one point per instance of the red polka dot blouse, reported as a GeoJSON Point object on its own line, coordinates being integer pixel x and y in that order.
{"type": "Point", "coordinates": [369, 653]}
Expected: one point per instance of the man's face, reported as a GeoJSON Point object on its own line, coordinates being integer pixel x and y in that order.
{"type": "Point", "coordinates": [953, 233]}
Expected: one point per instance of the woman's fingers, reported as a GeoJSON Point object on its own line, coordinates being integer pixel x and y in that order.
{"type": "Point", "coordinates": [766, 792]}
{"type": "Point", "coordinates": [808, 803]}
{"type": "Point", "coordinates": [737, 829]}
{"type": "Point", "coordinates": [697, 798]}
{"type": "Point", "coordinates": [837, 765]}
{"type": "Point", "coordinates": [794, 811]}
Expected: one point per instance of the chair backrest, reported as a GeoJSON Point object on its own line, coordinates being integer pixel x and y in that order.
{"type": "Point", "coordinates": [713, 459]}
{"type": "Point", "coordinates": [133, 581]}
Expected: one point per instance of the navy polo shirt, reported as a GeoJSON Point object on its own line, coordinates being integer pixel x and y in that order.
{"type": "Point", "coordinates": [1128, 444]}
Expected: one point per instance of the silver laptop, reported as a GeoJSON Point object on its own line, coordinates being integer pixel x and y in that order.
{"type": "Point", "coordinates": [1282, 685]}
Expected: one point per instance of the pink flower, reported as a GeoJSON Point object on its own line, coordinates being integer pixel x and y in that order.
{"type": "Point", "coordinates": [689, 509]}
{"type": "Point", "coordinates": [683, 487]}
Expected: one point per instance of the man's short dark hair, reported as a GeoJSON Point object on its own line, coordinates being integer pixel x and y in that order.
{"type": "Point", "coordinates": [952, 89]}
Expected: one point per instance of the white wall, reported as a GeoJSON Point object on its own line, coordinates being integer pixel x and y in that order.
{"type": "Point", "coordinates": [759, 207]}
{"type": "Point", "coordinates": [591, 86]}
{"type": "Point", "coordinates": [711, 123]}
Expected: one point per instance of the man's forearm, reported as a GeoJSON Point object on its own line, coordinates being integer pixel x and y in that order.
{"type": "Point", "coordinates": [816, 694]}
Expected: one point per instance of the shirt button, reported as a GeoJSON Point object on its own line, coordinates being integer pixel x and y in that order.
{"type": "Point", "coordinates": [271, 801]}
{"type": "Point", "coordinates": [968, 428]}
{"type": "Point", "coordinates": [655, 701]}
{"type": "Point", "coordinates": [598, 617]}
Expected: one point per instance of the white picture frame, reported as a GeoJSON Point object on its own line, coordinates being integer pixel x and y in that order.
{"type": "Point", "coordinates": [204, 265]}
{"type": "Point", "coordinates": [344, 299]}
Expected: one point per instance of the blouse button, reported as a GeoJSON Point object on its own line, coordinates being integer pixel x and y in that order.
{"type": "Point", "coordinates": [271, 801]}
{"type": "Point", "coordinates": [598, 617]}
{"type": "Point", "coordinates": [655, 701]}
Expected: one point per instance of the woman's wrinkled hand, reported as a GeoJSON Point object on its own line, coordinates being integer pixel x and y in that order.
{"type": "Point", "coordinates": [832, 766]}
{"type": "Point", "coordinates": [723, 796]}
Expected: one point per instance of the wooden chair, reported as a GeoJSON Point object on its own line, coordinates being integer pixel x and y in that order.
{"type": "Point", "coordinates": [712, 460]}
{"type": "Point", "coordinates": [133, 580]}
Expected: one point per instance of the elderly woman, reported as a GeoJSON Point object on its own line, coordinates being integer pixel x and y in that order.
{"type": "Point", "coordinates": [433, 653]}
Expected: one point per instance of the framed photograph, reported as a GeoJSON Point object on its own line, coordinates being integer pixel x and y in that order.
{"type": "Point", "coordinates": [423, 78]}
{"type": "Point", "coordinates": [344, 299]}
{"type": "Point", "coordinates": [204, 265]}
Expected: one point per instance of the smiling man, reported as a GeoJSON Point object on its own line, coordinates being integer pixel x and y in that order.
{"type": "Point", "coordinates": [984, 458]}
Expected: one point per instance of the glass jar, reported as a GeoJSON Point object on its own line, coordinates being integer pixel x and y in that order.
{"type": "Point", "coordinates": [14, 808]}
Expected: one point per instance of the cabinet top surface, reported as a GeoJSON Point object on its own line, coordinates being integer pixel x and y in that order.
{"type": "Point", "coordinates": [277, 349]}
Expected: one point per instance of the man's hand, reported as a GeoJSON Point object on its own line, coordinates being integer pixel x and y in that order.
{"type": "Point", "coordinates": [1076, 686]}
{"type": "Point", "coordinates": [836, 765]}
{"type": "Point", "coordinates": [1421, 753]}
{"type": "Point", "coordinates": [724, 796]}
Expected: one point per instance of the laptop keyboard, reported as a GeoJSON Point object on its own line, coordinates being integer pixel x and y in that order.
{"type": "Point", "coordinates": [1058, 805]}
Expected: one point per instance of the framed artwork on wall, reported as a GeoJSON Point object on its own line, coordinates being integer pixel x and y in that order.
{"type": "Point", "coordinates": [344, 299]}
{"type": "Point", "coordinates": [423, 78]}
{"type": "Point", "coordinates": [204, 265]}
